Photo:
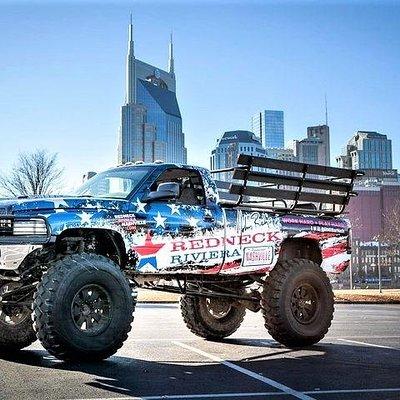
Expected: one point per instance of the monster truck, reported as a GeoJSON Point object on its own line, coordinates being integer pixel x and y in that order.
{"type": "Point", "coordinates": [265, 244]}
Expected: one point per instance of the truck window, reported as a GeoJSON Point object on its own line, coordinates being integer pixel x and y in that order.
{"type": "Point", "coordinates": [191, 183]}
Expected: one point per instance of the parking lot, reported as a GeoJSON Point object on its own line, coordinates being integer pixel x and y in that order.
{"type": "Point", "coordinates": [359, 359]}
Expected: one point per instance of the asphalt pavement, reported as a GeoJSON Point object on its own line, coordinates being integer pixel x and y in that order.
{"type": "Point", "coordinates": [358, 359]}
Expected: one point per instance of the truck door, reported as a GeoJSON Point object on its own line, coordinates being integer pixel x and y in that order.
{"type": "Point", "coordinates": [187, 232]}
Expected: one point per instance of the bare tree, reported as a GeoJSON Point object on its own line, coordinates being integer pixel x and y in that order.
{"type": "Point", "coordinates": [35, 173]}
{"type": "Point", "coordinates": [391, 229]}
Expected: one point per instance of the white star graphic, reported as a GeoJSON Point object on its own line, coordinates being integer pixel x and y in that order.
{"type": "Point", "coordinates": [192, 221]}
{"type": "Point", "coordinates": [85, 218]}
{"type": "Point", "coordinates": [159, 220]}
{"type": "Point", "coordinates": [208, 212]}
{"type": "Point", "coordinates": [59, 203]}
{"type": "Point", "coordinates": [174, 209]}
{"type": "Point", "coordinates": [140, 207]}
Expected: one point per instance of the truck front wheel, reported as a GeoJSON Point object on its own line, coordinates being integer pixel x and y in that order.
{"type": "Point", "coordinates": [83, 308]}
{"type": "Point", "coordinates": [297, 303]}
{"type": "Point", "coordinates": [211, 318]}
{"type": "Point", "coordinates": [16, 330]}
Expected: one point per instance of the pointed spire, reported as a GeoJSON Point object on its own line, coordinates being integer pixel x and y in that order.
{"type": "Point", "coordinates": [130, 67]}
{"type": "Point", "coordinates": [171, 66]}
{"type": "Point", "coordinates": [130, 38]}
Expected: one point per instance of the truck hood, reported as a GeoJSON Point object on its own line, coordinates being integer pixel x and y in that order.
{"type": "Point", "coordinates": [50, 204]}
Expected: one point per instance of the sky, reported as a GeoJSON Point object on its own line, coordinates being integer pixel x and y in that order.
{"type": "Point", "coordinates": [62, 71]}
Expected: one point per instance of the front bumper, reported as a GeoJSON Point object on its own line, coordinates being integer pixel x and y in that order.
{"type": "Point", "coordinates": [12, 256]}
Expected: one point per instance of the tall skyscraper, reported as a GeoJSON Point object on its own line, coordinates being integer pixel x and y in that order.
{"type": "Point", "coordinates": [151, 122]}
{"type": "Point", "coordinates": [367, 150]}
{"type": "Point", "coordinates": [315, 148]}
{"type": "Point", "coordinates": [372, 153]}
{"type": "Point", "coordinates": [268, 126]}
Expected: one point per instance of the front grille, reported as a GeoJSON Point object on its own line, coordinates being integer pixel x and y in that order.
{"type": "Point", "coordinates": [6, 226]}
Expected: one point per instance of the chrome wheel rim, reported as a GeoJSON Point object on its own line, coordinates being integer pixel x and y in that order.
{"type": "Point", "coordinates": [218, 308]}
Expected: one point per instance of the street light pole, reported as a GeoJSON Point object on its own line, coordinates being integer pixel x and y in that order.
{"type": "Point", "coordinates": [379, 267]}
{"type": "Point", "coordinates": [351, 273]}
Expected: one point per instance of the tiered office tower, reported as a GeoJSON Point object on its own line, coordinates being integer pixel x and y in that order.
{"type": "Point", "coordinates": [151, 122]}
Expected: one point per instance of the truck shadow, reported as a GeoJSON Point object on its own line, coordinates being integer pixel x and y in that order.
{"type": "Point", "coordinates": [325, 366]}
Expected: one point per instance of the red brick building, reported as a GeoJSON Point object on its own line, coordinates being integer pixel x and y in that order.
{"type": "Point", "coordinates": [367, 211]}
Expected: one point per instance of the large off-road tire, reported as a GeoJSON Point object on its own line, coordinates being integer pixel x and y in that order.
{"type": "Point", "coordinates": [83, 308]}
{"type": "Point", "coordinates": [297, 303]}
{"type": "Point", "coordinates": [211, 318]}
{"type": "Point", "coordinates": [16, 325]}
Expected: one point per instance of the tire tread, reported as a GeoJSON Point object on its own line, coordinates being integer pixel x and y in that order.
{"type": "Point", "coordinates": [273, 286]}
{"type": "Point", "coordinates": [44, 303]}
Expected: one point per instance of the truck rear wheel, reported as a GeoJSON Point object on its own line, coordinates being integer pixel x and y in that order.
{"type": "Point", "coordinates": [16, 330]}
{"type": "Point", "coordinates": [297, 303]}
{"type": "Point", "coordinates": [211, 318]}
{"type": "Point", "coordinates": [83, 308]}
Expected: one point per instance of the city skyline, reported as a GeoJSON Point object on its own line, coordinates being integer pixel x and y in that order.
{"type": "Point", "coordinates": [64, 90]}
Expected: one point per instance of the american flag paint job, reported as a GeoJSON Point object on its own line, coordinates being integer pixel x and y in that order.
{"type": "Point", "coordinates": [166, 237]}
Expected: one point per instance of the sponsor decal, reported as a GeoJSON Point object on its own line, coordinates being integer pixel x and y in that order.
{"type": "Point", "coordinates": [260, 219]}
{"type": "Point", "coordinates": [260, 255]}
{"type": "Point", "coordinates": [231, 240]}
{"type": "Point", "coordinates": [206, 250]}
{"type": "Point", "coordinates": [147, 253]}
{"type": "Point", "coordinates": [318, 222]}
{"type": "Point", "coordinates": [129, 222]}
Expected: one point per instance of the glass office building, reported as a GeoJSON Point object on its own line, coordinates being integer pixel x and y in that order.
{"type": "Point", "coordinates": [268, 126]}
{"type": "Point", "coordinates": [228, 148]}
{"type": "Point", "coordinates": [367, 150]}
{"type": "Point", "coordinates": [151, 122]}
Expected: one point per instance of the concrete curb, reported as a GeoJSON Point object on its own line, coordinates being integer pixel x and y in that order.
{"type": "Point", "coordinates": [366, 302]}
{"type": "Point", "coordinates": [336, 302]}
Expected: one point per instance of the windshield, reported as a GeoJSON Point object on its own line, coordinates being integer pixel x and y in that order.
{"type": "Point", "coordinates": [115, 183]}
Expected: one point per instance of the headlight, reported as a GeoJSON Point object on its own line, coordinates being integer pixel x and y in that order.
{"type": "Point", "coordinates": [30, 227]}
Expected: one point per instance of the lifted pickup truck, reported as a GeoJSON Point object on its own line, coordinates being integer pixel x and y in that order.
{"type": "Point", "coordinates": [77, 260]}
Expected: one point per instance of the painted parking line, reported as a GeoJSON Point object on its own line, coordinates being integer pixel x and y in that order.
{"type": "Point", "coordinates": [344, 391]}
{"type": "Point", "coordinates": [369, 344]}
{"type": "Point", "coordinates": [283, 388]}
{"type": "Point", "coordinates": [195, 396]}
{"type": "Point", "coordinates": [363, 336]}
{"type": "Point", "coordinates": [244, 394]}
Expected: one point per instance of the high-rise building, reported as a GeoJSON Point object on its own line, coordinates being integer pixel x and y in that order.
{"type": "Point", "coordinates": [370, 152]}
{"type": "Point", "coordinates": [151, 122]}
{"type": "Point", "coordinates": [228, 148]}
{"type": "Point", "coordinates": [315, 148]}
{"type": "Point", "coordinates": [322, 132]}
{"type": "Point", "coordinates": [280, 154]}
{"type": "Point", "coordinates": [268, 126]}
{"type": "Point", "coordinates": [367, 150]}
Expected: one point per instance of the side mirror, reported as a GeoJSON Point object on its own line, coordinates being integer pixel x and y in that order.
{"type": "Point", "coordinates": [165, 191]}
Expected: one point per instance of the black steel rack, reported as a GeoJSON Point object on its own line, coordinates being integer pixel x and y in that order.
{"type": "Point", "coordinates": [288, 186]}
